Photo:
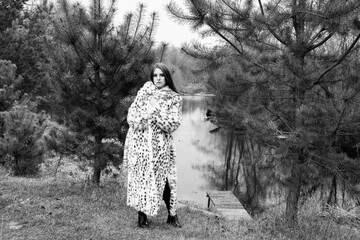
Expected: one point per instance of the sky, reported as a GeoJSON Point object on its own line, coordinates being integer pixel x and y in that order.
{"type": "Point", "coordinates": [168, 30]}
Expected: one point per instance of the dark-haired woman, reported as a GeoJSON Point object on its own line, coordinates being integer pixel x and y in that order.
{"type": "Point", "coordinates": [149, 152]}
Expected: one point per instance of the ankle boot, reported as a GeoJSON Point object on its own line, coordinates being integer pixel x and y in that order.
{"type": "Point", "coordinates": [174, 221]}
{"type": "Point", "coordinates": [142, 220]}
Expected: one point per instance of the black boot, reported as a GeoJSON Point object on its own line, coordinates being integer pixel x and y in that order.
{"type": "Point", "coordinates": [142, 220]}
{"type": "Point", "coordinates": [174, 221]}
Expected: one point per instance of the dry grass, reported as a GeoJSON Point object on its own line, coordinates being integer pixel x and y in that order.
{"type": "Point", "coordinates": [41, 208]}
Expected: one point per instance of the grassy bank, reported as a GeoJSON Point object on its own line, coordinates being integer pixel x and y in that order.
{"type": "Point", "coordinates": [42, 208]}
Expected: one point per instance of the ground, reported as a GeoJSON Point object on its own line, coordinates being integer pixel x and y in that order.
{"type": "Point", "coordinates": [67, 206]}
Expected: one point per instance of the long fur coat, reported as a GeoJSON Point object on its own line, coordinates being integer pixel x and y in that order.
{"type": "Point", "coordinates": [149, 152]}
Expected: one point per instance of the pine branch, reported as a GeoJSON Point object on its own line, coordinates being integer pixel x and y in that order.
{"type": "Point", "coordinates": [128, 18]}
{"type": "Point", "coordinates": [269, 27]}
{"type": "Point", "coordinates": [147, 51]}
{"type": "Point", "coordinates": [310, 48]}
{"type": "Point", "coordinates": [152, 24]}
{"type": "Point", "coordinates": [197, 51]}
{"type": "Point", "coordinates": [233, 8]}
{"type": "Point", "coordinates": [226, 40]}
{"type": "Point", "coordinates": [238, 40]}
{"type": "Point", "coordinates": [163, 49]}
{"type": "Point", "coordinates": [280, 118]}
{"type": "Point", "coordinates": [110, 14]}
{"type": "Point", "coordinates": [339, 121]}
{"type": "Point", "coordinates": [182, 18]}
{"type": "Point", "coordinates": [140, 16]}
{"type": "Point", "coordinates": [344, 55]}
{"type": "Point", "coordinates": [335, 171]}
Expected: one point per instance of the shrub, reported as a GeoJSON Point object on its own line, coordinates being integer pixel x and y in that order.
{"type": "Point", "coordinates": [21, 128]}
{"type": "Point", "coordinates": [21, 146]}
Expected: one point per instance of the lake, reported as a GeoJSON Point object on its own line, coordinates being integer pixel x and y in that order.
{"type": "Point", "coordinates": [199, 152]}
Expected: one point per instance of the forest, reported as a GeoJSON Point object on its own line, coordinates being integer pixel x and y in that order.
{"type": "Point", "coordinates": [284, 72]}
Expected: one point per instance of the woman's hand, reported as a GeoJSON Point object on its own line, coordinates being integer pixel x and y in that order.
{"type": "Point", "coordinates": [153, 103]}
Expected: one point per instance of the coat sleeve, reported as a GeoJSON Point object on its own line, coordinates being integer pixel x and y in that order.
{"type": "Point", "coordinates": [169, 119]}
{"type": "Point", "coordinates": [137, 115]}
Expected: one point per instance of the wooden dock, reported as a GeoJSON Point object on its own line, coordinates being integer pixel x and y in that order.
{"type": "Point", "coordinates": [227, 205]}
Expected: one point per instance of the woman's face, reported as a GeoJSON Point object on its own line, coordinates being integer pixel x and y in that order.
{"type": "Point", "coordinates": [159, 78]}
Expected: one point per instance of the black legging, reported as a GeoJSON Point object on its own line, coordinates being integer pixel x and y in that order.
{"type": "Point", "coordinates": [166, 195]}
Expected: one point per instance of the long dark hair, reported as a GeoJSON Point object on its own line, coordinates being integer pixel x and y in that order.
{"type": "Point", "coordinates": [168, 79]}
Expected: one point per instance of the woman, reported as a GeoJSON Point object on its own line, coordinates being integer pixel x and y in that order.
{"type": "Point", "coordinates": [149, 150]}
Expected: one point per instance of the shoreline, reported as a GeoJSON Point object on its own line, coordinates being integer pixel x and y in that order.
{"type": "Point", "coordinates": [198, 94]}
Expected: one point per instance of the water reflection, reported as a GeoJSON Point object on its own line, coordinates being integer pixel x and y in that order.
{"type": "Point", "coordinates": [198, 151]}
{"type": "Point", "coordinates": [221, 160]}
{"type": "Point", "coordinates": [215, 161]}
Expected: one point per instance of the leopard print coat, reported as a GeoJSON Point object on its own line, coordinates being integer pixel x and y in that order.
{"type": "Point", "coordinates": [149, 153]}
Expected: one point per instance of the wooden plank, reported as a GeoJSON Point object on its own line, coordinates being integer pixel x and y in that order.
{"type": "Point", "coordinates": [227, 205]}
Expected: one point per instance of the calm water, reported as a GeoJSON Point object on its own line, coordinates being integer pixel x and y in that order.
{"type": "Point", "coordinates": [199, 152]}
{"type": "Point", "coordinates": [221, 160]}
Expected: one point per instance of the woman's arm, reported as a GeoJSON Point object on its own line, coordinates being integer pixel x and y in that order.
{"type": "Point", "coordinates": [169, 119]}
{"type": "Point", "coordinates": [137, 115]}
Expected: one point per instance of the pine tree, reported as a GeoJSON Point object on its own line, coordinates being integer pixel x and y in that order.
{"type": "Point", "coordinates": [24, 44]}
{"type": "Point", "coordinates": [99, 68]}
{"type": "Point", "coordinates": [9, 11]}
{"type": "Point", "coordinates": [21, 130]}
{"type": "Point", "coordinates": [290, 67]}
{"type": "Point", "coordinates": [21, 144]}
{"type": "Point", "coordinates": [8, 79]}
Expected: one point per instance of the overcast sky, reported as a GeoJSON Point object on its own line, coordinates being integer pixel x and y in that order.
{"type": "Point", "coordinates": [168, 30]}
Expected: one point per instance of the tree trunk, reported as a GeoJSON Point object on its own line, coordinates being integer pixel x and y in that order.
{"type": "Point", "coordinates": [343, 193]}
{"type": "Point", "coordinates": [99, 163]}
{"type": "Point", "coordinates": [57, 166]}
{"type": "Point", "coordinates": [253, 186]}
{"type": "Point", "coordinates": [241, 152]}
{"type": "Point", "coordinates": [332, 200]}
{"type": "Point", "coordinates": [293, 195]}
{"type": "Point", "coordinates": [228, 156]}
{"type": "Point", "coordinates": [96, 176]}
{"type": "Point", "coordinates": [296, 156]}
